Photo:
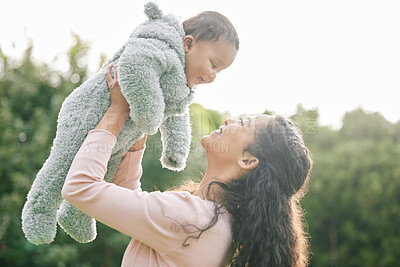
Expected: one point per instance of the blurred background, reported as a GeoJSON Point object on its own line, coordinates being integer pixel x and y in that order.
{"type": "Point", "coordinates": [332, 66]}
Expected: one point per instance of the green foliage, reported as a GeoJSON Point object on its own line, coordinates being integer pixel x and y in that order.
{"type": "Point", "coordinates": [30, 98]}
{"type": "Point", "coordinates": [203, 122]}
{"type": "Point", "coordinates": [353, 205]}
{"type": "Point", "coordinates": [352, 208]}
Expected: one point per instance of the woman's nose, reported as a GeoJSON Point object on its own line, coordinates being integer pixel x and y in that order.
{"type": "Point", "coordinates": [229, 121]}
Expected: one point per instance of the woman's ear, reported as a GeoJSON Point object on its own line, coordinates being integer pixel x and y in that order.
{"type": "Point", "coordinates": [247, 161]}
{"type": "Point", "coordinates": [188, 42]}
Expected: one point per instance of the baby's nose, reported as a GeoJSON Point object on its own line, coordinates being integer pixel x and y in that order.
{"type": "Point", "coordinates": [212, 76]}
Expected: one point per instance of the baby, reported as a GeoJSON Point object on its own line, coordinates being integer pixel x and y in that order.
{"type": "Point", "coordinates": [164, 55]}
{"type": "Point", "coordinates": [210, 45]}
{"type": "Point", "coordinates": [157, 69]}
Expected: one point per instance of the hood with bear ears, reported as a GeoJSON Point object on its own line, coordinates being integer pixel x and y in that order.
{"type": "Point", "coordinates": [169, 29]}
{"type": "Point", "coordinates": [165, 28]}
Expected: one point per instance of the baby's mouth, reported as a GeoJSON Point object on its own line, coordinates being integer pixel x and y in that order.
{"type": "Point", "coordinates": [201, 80]}
{"type": "Point", "coordinates": [191, 85]}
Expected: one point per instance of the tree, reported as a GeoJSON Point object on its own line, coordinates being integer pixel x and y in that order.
{"type": "Point", "coordinates": [353, 204]}
{"type": "Point", "coordinates": [30, 98]}
{"type": "Point", "coordinates": [154, 176]}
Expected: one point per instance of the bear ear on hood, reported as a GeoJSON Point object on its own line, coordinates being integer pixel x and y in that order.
{"type": "Point", "coordinates": [152, 10]}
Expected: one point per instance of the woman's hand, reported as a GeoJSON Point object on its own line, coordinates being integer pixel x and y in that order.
{"type": "Point", "coordinates": [140, 144]}
{"type": "Point", "coordinates": [118, 111]}
{"type": "Point", "coordinates": [118, 101]}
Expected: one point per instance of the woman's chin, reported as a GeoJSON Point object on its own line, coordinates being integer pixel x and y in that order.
{"type": "Point", "coordinates": [206, 141]}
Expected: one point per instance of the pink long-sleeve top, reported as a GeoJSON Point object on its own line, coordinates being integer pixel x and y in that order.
{"type": "Point", "coordinates": [154, 220]}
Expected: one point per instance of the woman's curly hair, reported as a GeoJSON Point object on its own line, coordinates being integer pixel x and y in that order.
{"type": "Point", "coordinates": [267, 221]}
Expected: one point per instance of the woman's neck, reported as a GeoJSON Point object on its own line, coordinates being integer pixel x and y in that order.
{"type": "Point", "coordinates": [214, 175]}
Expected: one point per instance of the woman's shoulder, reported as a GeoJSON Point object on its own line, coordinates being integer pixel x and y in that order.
{"type": "Point", "coordinates": [184, 199]}
{"type": "Point", "coordinates": [195, 215]}
{"type": "Point", "coordinates": [185, 207]}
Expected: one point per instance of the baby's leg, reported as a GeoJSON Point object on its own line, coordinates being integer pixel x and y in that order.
{"type": "Point", "coordinates": [78, 224]}
{"type": "Point", "coordinates": [44, 198]}
{"type": "Point", "coordinates": [79, 113]}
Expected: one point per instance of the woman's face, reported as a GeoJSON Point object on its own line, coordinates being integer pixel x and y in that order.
{"type": "Point", "coordinates": [228, 143]}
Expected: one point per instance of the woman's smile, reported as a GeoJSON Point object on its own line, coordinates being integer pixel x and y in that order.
{"type": "Point", "coordinates": [218, 131]}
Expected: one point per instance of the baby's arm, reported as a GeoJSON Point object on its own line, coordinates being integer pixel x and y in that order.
{"type": "Point", "coordinates": [175, 137]}
{"type": "Point", "coordinates": [140, 67]}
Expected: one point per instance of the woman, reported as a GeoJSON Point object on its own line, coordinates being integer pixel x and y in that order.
{"type": "Point", "coordinates": [245, 211]}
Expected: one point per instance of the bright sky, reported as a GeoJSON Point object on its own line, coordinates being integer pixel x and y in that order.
{"type": "Point", "coordinates": [334, 55]}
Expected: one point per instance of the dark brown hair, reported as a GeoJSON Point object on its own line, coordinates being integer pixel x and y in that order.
{"type": "Point", "coordinates": [210, 26]}
{"type": "Point", "coordinates": [267, 219]}
{"type": "Point", "coordinates": [267, 225]}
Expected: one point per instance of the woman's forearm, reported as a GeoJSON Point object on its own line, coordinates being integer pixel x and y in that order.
{"type": "Point", "coordinates": [118, 112]}
{"type": "Point", "coordinates": [113, 120]}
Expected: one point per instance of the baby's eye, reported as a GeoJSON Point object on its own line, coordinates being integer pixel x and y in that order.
{"type": "Point", "coordinates": [213, 65]}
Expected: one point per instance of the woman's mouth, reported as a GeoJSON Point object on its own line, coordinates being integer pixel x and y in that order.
{"type": "Point", "coordinates": [218, 132]}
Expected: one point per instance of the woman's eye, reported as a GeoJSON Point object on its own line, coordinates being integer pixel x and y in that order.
{"type": "Point", "coordinates": [241, 122]}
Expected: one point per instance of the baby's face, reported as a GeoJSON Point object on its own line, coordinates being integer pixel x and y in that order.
{"type": "Point", "coordinates": [204, 59]}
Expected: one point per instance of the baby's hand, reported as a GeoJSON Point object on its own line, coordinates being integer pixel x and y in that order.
{"type": "Point", "coordinates": [118, 101]}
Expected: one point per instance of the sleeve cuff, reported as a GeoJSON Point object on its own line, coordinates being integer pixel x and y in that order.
{"type": "Point", "coordinates": [102, 133]}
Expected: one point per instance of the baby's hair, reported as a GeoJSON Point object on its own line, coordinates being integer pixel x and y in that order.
{"type": "Point", "coordinates": [210, 26]}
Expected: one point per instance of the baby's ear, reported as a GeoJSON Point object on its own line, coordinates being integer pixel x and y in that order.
{"type": "Point", "coordinates": [188, 42]}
